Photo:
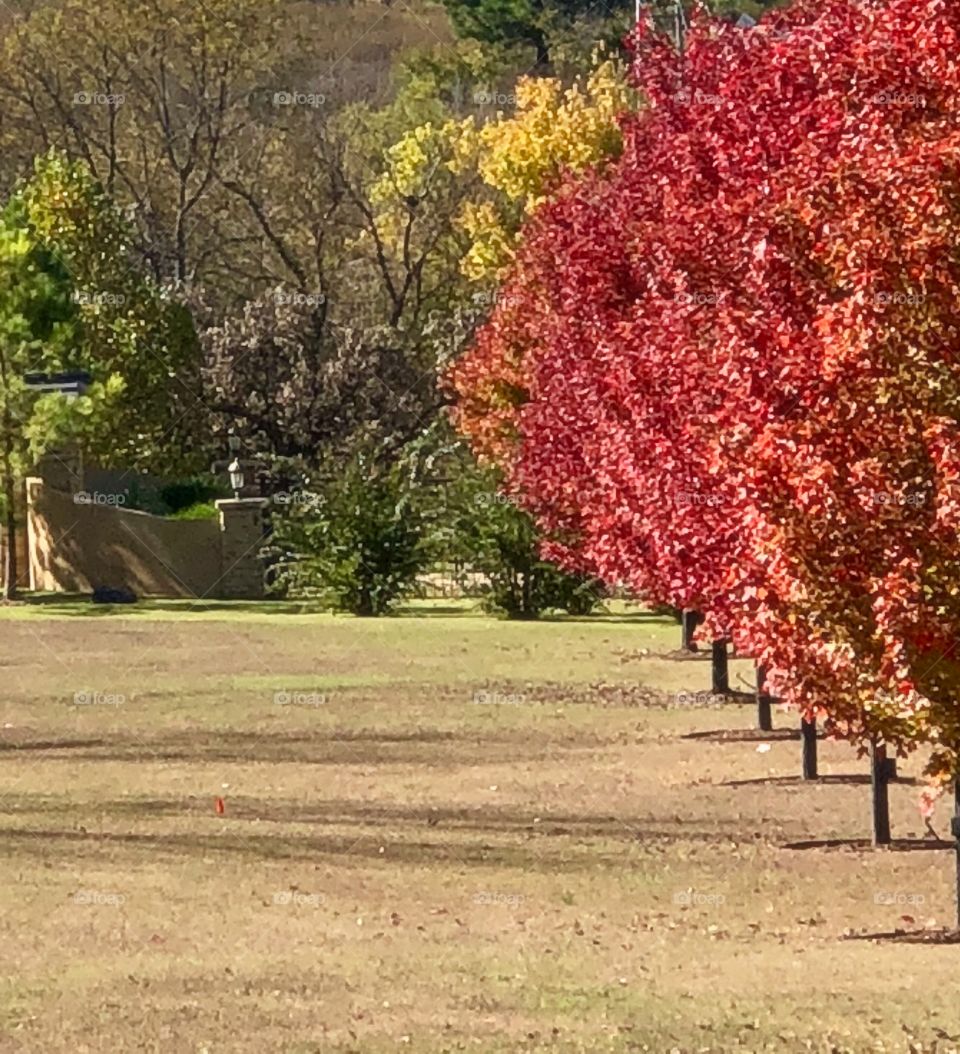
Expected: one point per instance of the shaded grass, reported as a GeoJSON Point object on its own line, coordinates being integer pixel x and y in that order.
{"type": "Point", "coordinates": [405, 866]}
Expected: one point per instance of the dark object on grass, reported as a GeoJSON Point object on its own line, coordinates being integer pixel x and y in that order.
{"type": "Point", "coordinates": [109, 595]}
{"type": "Point", "coordinates": [955, 831]}
{"type": "Point", "coordinates": [720, 668]}
{"type": "Point", "coordinates": [879, 782]}
{"type": "Point", "coordinates": [808, 731]}
{"type": "Point", "coordinates": [689, 622]}
{"type": "Point", "coordinates": [764, 702]}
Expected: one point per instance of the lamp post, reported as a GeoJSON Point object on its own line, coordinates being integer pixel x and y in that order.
{"type": "Point", "coordinates": [236, 466]}
{"type": "Point", "coordinates": [241, 525]}
{"type": "Point", "coordinates": [235, 469]}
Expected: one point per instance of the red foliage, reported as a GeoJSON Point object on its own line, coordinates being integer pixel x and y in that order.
{"type": "Point", "coordinates": [723, 370]}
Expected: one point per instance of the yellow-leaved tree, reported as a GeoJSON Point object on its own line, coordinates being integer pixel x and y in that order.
{"type": "Point", "coordinates": [510, 161]}
{"type": "Point", "coordinates": [520, 156]}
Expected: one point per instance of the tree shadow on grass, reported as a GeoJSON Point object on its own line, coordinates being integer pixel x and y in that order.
{"type": "Point", "coordinates": [315, 747]}
{"type": "Point", "coordinates": [346, 812]}
{"type": "Point", "coordinates": [390, 846]}
{"type": "Point", "coordinates": [341, 849]}
{"type": "Point", "coordinates": [344, 832]}
{"type": "Point", "coordinates": [81, 604]}
{"type": "Point", "coordinates": [743, 735]}
{"type": "Point", "coordinates": [440, 610]}
{"type": "Point", "coordinates": [840, 779]}
{"type": "Point", "coordinates": [53, 744]}
{"type": "Point", "coordinates": [607, 617]}
{"type": "Point", "coordinates": [942, 936]}
{"type": "Point", "coordinates": [898, 845]}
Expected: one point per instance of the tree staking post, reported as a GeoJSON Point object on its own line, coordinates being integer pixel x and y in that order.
{"type": "Point", "coordinates": [808, 730]}
{"type": "Point", "coordinates": [764, 701]}
{"type": "Point", "coordinates": [879, 784]}
{"type": "Point", "coordinates": [720, 668]}
{"type": "Point", "coordinates": [690, 620]}
{"type": "Point", "coordinates": [955, 831]}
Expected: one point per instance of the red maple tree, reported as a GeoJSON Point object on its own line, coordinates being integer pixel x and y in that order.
{"type": "Point", "coordinates": [723, 370]}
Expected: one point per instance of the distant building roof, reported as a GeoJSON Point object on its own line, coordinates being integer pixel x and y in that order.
{"type": "Point", "coordinates": [73, 382]}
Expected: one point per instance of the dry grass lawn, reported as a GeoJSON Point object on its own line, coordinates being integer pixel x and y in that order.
{"type": "Point", "coordinates": [445, 833]}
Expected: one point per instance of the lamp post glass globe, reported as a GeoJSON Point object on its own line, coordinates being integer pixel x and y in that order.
{"type": "Point", "coordinates": [236, 477]}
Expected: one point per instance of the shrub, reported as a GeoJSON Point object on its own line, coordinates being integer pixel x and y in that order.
{"type": "Point", "coordinates": [360, 539]}
{"type": "Point", "coordinates": [190, 493]}
{"type": "Point", "coordinates": [491, 535]}
{"type": "Point", "coordinates": [201, 510]}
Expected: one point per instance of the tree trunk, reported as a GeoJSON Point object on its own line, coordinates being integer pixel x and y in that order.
{"type": "Point", "coordinates": [809, 758]}
{"type": "Point", "coordinates": [720, 667]}
{"type": "Point", "coordinates": [10, 569]}
{"type": "Point", "coordinates": [543, 52]}
{"type": "Point", "coordinates": [365, 602]}
{"type": "Point", "coordinates": [691, 619]}
{"type": "Point", "coordinates": [764, 702]}
{"type": "Point", "coordinates": [879, 780]}
{"type": "Point", "coordinates": [955, 828]}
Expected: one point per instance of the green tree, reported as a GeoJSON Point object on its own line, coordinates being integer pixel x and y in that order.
{"type": "Point", "coordinates": [360, 539]}
{"type": "Point", "coordinates": [71, 299]}
{"type": "Point", "coordinates": [125, 326]}
{"type": "Point", "coordinates": [491, 535]}
{"type": "Point", "coordinates": [360, 231]}
{"type": "Point", "coordinates": [156, 97]}
{"type": "Point", "coordinates": [523, 22]}
{"type": "Point", "coordinates": [36, 324]}
{"type": "Point", "coordinates": [549, 27]}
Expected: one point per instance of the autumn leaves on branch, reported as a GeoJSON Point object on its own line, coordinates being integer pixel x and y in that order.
{"type": "Point", "coordinates": [723, 367]}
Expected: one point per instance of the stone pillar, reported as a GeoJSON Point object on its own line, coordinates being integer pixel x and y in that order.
{"type": "Point", "coordinates": [241, 538]}
{"type": "Point", "coordinates": [61, 470]}
{"type": "Point", "coordinates": [34, 491]}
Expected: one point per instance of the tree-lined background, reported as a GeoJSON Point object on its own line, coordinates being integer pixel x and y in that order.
{"type": "Point", "coordinates": [281, 221]}
{"type": "Point", "coordinates": [687, 288]}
